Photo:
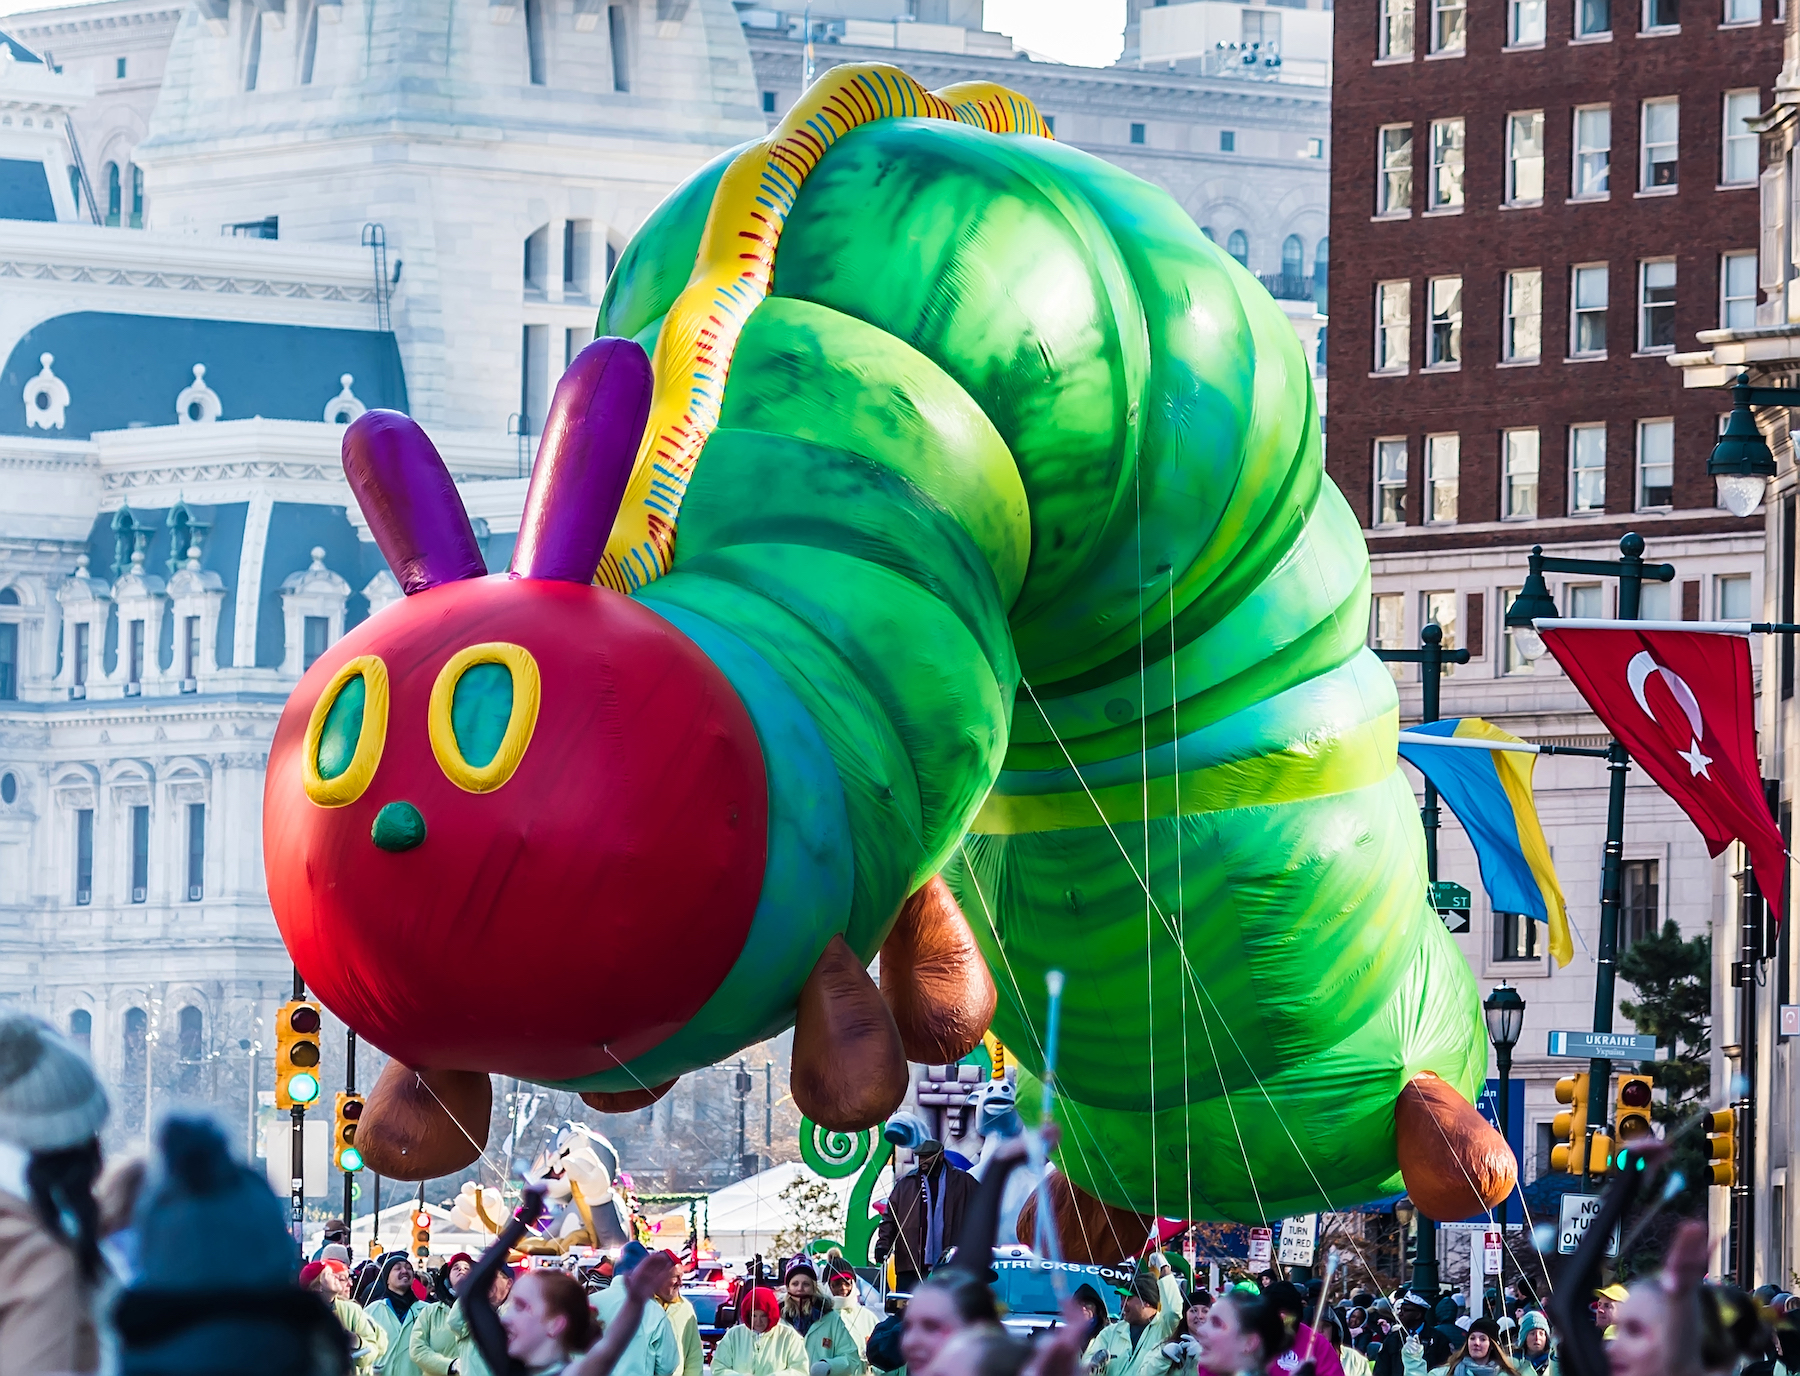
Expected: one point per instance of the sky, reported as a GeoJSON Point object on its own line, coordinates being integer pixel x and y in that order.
{"type": "Point", "coordinates": [1089, 33]}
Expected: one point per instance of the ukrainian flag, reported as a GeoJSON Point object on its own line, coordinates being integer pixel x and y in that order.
{"type": "Point", "coordinates": [1490, 793]}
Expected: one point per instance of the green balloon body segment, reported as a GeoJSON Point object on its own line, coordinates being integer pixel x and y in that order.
{"type": "Point", "coordinates": [1016, 496]}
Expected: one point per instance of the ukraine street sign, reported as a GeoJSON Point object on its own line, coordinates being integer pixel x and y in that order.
{"type": "Point", "coordinates": [1612, 1046]}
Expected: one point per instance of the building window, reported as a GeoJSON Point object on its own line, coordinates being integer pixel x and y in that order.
{"type": "Point", "coordinates": [1512, 659]}
{"type": "Point", "coordinates": [1640, 902]}
{"type": "Point", "coordinates": [1731, 595]}
{"type": "Point", "coordinates": [140, 854]}
{"type": "Point", "coordinates": [1315, 148]}
{"type": "Point", "coordinates": [81, 653]}
{"type": "Point", "coordinates": [1661, 14]}
{"type": "Point", "coordinates": [1656, 463]}
{"type": "Point", "coordinates": [1593, 151]}
{"type": "Point", "coordinates": [1049, 123]}
{"type": "Point", "coordinates": [1593, 18]}
{"type": "Point", "coordinates": [1515, 937]}
{"type": "Point", "coordinates": [1583, 600]}
{"type": "Point", "coordinates": [1393, 191]}
{"type": "Point", "coordinates": [1443, 457]}
{"type": "Point", "coordinates": [1524, 328]}
{"type": "Point", "coordinates": [1656, 305]}
{"type": "Point", "coordinates": [81, 1030]}
{"type": "Point", "coordinates": [768, 98]}
{"type": "Point", "coordinates": [196, 852]}
{"type": "Point", "coordinates": [1525, 22]}
{"type": "Point", "coordinates": [1745, 12]}
{"type": "Point", "coordinates": [114, 193]}
{"type": "Point", "coordinates": [134, 640]}
{"type": "Point", "coordinates": [190, 1050]}
{"type": "Point", "coordinates": [1389, 614]}
{"type": "Point", "coordinates": [1137, 133]}
{"type": "Point", "coordinates": [1737, 291]}
{"type": "Point", "coordinates": [1390, 482]}
{"type": "Point", "coordinates": [1587, 468]}
{"type": "Point", "coordinates": [1393, 326]}
{"type": "Point", "coordinates": [315, 637]}
{"type": "Point", "coordinates": [1322, 274]}
{"type": "Point", "coordinates": [1737, 163]}
{"type": "Point", "coordinates": [1227, 141]}
{"type": "Point", "coordinates": [1519, 451]}
{"type": "Point", "coordinates": [9, 661]}
{"type": "Point", "coordinates": [1587, 309]}
{"type": "Point", "coordinates": [1441, 608]}
{"type": "Point", "coordinates": [190, 648]}
{"type": "Point", "coordinates": [621, 50]}
{"type": "Point", "coordinates": [253, 49]}
{"type": "Point", "coordinates": [1661, 128]}
{"type": "Point", "coordinates": [1525, 157]}
{"type": "Point", "coordinates": [1444, 344]}
{"type": "Point", "coordinates": [1396, 35]}
{"type": "Point", "coordinates": [84, 857]}
{"type": "Point", "coordinates": [1446, 164]}
{"type": "Point", "coordinates": [1238, 246]}
{"type": "Point", "coordinates": [137, 196]}
{"type": "Point", "coordinates": [1447, 26]}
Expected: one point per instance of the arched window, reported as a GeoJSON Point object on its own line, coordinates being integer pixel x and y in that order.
{"type": "Point", "coordinates": [81, 1029]}
{"type": "Point", "coordinates": [137, 196]}
{"type": "Point", "coordinates": [75, 188]}
{"type": "Point", "coordinates": [134, 1067]}
{"type": "Point", "coordinates": [137, 1033]}
{"type": "Point", "coordinates": [190, 1049]}
{"type": "Point", "coordinates": [9, 597]}
{"type": "Point", "coordinates": [1321, 272]}
{"type": "Point", "coordinates": [1238, 246]}
{"type": "Point", "coordinates": [112, 193]}
{"type": "Point", "coordinates": [1293, 257]}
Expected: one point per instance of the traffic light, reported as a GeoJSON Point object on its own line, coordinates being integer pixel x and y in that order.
{"type": "Point", "coordinates": [297, 1054]}
{"type": "Point", "coordinates": [1721, 1137]}
{"type": "Point", "coordinates": [1631, 1109]}
{"type": "Point", "coordinates": [345, 1115]}
{"type": "Point", "coordinates": [1600, 1153]}
{"type": "Point", "coordinates": [421, 1229]}
{"type": "Point", "coordinates": [1570, 1127]}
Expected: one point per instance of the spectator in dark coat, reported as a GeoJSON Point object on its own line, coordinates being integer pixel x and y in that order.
{"type": "Point", "coordinates": [924, 1216]}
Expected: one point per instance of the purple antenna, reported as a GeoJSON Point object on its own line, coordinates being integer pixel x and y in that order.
{"type": "Point", "coordinates": [590, 443]}
{"type": "Point", "coordinates": [410, 503]}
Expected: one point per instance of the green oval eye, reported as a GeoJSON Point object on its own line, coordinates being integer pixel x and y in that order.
{"type": "Point", "coordinates": [343, 729]}
{"type": "Point", "coordinates": [480, 708]}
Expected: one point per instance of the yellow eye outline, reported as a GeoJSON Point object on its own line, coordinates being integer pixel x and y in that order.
{"type": "Point", "coordinates": [527, 693]}
{"type": "Point", "coordinates": [347, 787]}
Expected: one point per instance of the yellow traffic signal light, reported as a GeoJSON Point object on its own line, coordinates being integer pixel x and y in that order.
{"type": "Point", "coordinates": [1600, 1154]}
{"type": "Point", "coordinates": [297, 1054]}
{"type": "Point", "coordinates": [1631, 1109]}
{"type": "Point", "coordinates": [1570, 1127]}
{"type": "Point", "coordinates": [345, 1115]}
{"type": "Point", "coordinates": [421, 1233]}
{"type": "Point", "coordinates": [1721, 1138]}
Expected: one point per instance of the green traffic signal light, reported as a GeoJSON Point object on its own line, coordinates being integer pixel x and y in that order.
{"type": "Point", "coordinates": [350, 1160]}
{"type": "Point", "coordinates": [303, 1088]}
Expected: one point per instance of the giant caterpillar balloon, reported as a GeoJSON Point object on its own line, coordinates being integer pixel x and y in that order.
{"type": "Point", "coordinates": [963, 547]}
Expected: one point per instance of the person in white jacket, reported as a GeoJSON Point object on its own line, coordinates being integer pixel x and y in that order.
{"type": "Point", "coordinates": [837, 1342]}
{"type": "Point", "coordinates": [760, 1344]}
{"type": "Point", "coordinates": [654, 1349]}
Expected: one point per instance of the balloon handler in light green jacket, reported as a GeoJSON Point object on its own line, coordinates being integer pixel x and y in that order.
{"type": "Point", "coordinates": [1149, 1316]}
{"type": "Point", "coordinates": [837, 1342]}
{"type": "Point", "coordinates": [760, 1344]}
{"type": "Point", "coordinates": [442, 1344]}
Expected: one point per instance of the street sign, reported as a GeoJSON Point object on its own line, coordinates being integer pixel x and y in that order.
{"type": "Point", "coordinates": [1452, 903]}
{"type": "Point", "coordinates": [1260, 1240]}
{"type": "Point", "coordinates": [1299, 1238]}
{"type": "Point", "coordinates": [1612, 1046]}
{"type": "Point", "coordinates": [1578, 1211]}
{"type": "Point", "coordinates": [1492, 1248]}
{"type": "Point", "coordinates": [1790, 1019]}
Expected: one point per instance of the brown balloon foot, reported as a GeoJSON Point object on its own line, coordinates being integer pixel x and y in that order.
{"type": "Point", "coordinates": [934, 979]}
{"type": "Point", "coordinates": [1090, 1230]}
{"type": "Point", "coordinates": [626, 1100]}
{"type": "Point", "coordinates": [1453, 1161]}
{"type": "Point", "coordinates": [849, 1069]}
{"type": "Point", "coordinates": [421, 1124]}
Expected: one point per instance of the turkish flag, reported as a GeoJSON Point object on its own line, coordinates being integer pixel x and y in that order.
{"type": "Point", "coordinates": [1682, 703]}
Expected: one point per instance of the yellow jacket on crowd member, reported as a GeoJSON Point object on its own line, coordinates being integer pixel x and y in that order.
{"type": "Point", "coordinates": [367, 1341]}
{"type": "Point", "coordinates": [743, 1353]}
{"type": "Point", "coordinates": [684, 1324]}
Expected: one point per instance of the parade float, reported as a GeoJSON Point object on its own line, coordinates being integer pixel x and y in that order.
{"type": "Point", "coordinates": [934, 559]}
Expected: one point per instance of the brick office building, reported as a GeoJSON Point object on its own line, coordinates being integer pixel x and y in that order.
{"type": "Point", "coordinates": [1534, 203]}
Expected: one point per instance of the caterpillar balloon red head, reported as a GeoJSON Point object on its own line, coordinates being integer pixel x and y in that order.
{"type": "Point", "coordinates": [510, 789]}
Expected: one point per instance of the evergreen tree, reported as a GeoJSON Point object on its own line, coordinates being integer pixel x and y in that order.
{"type": "Point", "coordinates": [1673, 979]}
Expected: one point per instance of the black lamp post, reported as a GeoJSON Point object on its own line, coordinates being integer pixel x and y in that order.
{"type": "Point", "coordinates": [1505, 1014]}
{"type": "Point", "coordinates": [1741, 464]}
{"type": "Point", "coordinates": [1431, 657]}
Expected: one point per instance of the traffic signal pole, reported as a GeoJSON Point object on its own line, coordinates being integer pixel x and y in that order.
{"type": "Point", "coordinates": [349, 1088]}
{"type": "Point", "coordinates": [297, 1159]}
{"type": "Point", "coordinates": [1431, 657]}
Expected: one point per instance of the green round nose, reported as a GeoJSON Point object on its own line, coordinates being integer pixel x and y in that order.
{"type": "Point", "coordinates": [398, 827]}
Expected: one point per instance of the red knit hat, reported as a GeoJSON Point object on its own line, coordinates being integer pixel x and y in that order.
{"type": "Point", "coordinates": [310, 1273]}
{"type": "Point", "coordinates": [761, 1300]}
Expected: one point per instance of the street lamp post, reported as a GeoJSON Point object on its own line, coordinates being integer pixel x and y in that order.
{"type": "Point", "coordinates": [1431, 657]}
{"type": "Point", "coordinates": [1534, 602]}
{"type": "Point", "coordinates": [1504, 1011]}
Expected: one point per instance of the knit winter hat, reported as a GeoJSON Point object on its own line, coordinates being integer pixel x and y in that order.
{"type": "Point", "coordinates": [50, 1098]}
{"type": "Point", "coordinates": [630, 1255]}
{"type": "Point", "coordinates": [204, 1205]}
